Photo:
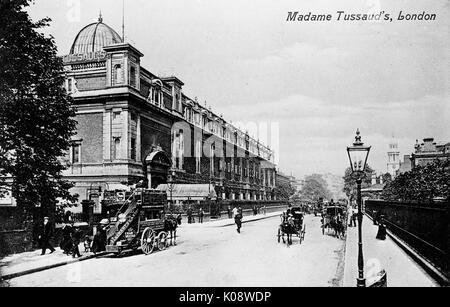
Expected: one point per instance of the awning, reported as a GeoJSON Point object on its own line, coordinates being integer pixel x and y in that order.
{"type": "Point", "coordinates": [186, 192]}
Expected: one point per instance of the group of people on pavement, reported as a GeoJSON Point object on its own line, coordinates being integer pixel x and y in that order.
{"type": "Point", "coordinates": [378, 219]}
{"type": "Point", "coordinates": [72, 237]}
{"type": "Point", "coordinates": [190, 215]}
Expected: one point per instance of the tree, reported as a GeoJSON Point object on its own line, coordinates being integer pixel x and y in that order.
{"type": "Point", "coordinates": [387, 178]}
{"type": "Point", "coordinates": [36, 114]}
{"type": "Point", "coordinates": [350, 180]}
{"type": "Point", "coordinates": [314, 187]}
{"type": "Point", "coordinates": [422, 183]}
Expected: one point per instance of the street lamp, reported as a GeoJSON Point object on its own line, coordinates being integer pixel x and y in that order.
{"type": "Point", "coordinates": [357, 155]}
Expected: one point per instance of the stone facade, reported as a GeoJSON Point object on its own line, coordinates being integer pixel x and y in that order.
{"type": "Point", "coordinates": [134, 125]}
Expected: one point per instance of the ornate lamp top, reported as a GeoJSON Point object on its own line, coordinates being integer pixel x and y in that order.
{"type": "Point", "coordinates": [358, 141]}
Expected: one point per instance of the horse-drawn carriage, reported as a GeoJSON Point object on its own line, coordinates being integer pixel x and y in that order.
{"type": "Point", "coordinates": [292, 225]}
{"type": "Point", "coordinates": [140, 221]}
{"type": "Point", "coordinates": [333, 217]}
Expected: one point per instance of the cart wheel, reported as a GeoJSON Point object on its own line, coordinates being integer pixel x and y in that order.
{"type": "Point", "coordinates": [147, 241]}
{"type": "Point", "coordinates": [162, 240]}
{"type": "Point", "coordinates": [279, 235]}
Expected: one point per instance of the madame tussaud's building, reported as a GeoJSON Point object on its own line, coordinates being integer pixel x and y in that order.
{"type": "Point", "coordinates": [134, 125]}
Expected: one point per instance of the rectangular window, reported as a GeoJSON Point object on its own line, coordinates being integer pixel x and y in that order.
{"type": "Point", "coordinates": [133, 149]}
{"type": "Point", "coordinates": [69, 85]}
{"type": "Point", "coordinates": [116, 115]}
{"type": "Point", "coordinates": [181, 150]}
{"type": "Point", "coordinates": [116, 149]}
{"type": "Point", "coordinates": [76, 154]}
{"type": "Point", "coordinates": [198, 152]}
{"type": "Point", "coordinates": [133, 82]}
{"type": "Point", "coordinates": [211, 159]}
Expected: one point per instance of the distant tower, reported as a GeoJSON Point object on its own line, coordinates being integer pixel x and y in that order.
{"type": "Point", "coordinates": [393, 158]}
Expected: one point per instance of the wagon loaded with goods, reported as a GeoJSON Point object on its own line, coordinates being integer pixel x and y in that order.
{"type": "Point", "coordinates": [138, 220]}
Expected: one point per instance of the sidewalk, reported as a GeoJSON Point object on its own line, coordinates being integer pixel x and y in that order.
{"type": "Point", "coordinates": [30, 262]}
{"type": "Point", "coordinates": [402, 271]}
{"type": "Point", "coordinates": [230, 222]}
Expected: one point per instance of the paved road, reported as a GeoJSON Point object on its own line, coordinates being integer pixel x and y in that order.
{"type": "Point", "coordinates": [213, 257]}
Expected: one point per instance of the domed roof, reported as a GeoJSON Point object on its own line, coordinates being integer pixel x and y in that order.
{"type": "Point", "coordinates": [94, 37]}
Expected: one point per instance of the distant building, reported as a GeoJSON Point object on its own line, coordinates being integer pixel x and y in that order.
{"type": "Point", "coordinates": [393, 164]}
{"type": "Point", "coordinates": [405, 165]}
{"type": "Point", "coordinates": [428, 151]}
{"type": "Point", "coordinates": [375, 189]}
{"type": "Point", "coordinates": [424, 153]}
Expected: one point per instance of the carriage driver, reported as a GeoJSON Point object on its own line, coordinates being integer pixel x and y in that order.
{"type": "Point", "coordinates": [291, 220]}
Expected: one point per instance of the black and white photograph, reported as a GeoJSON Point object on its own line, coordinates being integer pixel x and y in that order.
{"type": "Point", "coordinates": [245, 145]}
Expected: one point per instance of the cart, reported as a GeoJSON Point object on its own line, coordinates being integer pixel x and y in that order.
{"type": "Point", "coordinates": [140, 222]}
{"type": "Point", "coordinates": [293, 227]}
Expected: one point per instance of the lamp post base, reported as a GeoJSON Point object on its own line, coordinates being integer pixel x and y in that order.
{"type": "Point", "coordinates": [360, 282]}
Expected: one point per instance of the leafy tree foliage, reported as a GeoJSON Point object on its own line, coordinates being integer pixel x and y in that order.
{"type": "Point", "coordinates": [422, 183]}
{"type": "Point", "coordinates": [350, 180]}
{"type": "Point", "coordinates": [387, 178]}
{"type": "Point", "coordinates": [36, 114]}
{"type": "Point", "coordinates": [284, 191]}
{"type": "Point", "coordinates": [314, 187]}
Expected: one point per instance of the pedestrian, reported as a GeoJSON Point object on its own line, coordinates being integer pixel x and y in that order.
{"type": "Point", "coordinates": [238, 221]}
{"type": "Point", "coordinates": [76, 239]}
{"type": "Point", "coordinates": [46, 235]}
{"type": "Point", "coordinates": [66, 242]}
{"type": "Point", "coordinates": [87, 244]}
{"type": "Point", "coordinates": [255, 211]}
{"type": "Point", "coordinates": [353, 216]}
{"type": "Point", "coordinates": [264, 209]}
{"type": "Point", "coordinates": [99, 242]}
{"type": "Point", "coordinates": [68, 217]}
{"type": "Point", "coordinates": [189, 214]}
{"type": "Point", "coordinates": [200, 215]}
{"type": "Point", "coordinates": [374, 217]}
{"type": "Point", "coordinates": [381, 234]}
{"type": "Point", "coordinates": [230, 213]}
{"type": "Point", "coordinates": [234, 212]}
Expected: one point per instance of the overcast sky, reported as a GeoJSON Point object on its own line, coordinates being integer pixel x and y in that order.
{"type": "Point", "coordinates": [318, 80]}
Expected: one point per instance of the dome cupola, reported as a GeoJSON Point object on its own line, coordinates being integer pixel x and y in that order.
{"type": "Point", "coordinates": [94, 37]}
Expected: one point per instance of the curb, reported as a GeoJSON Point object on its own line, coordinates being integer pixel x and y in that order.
{"type": "Point", "coordinates": [50, 266]}
{"type": "Point", "coordinates": [421, 261]}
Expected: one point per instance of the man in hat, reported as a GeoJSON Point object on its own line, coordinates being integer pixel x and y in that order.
{"type": "Point", "coordinates": [45, 236]}
{"type": "Point", "coordinates": [99, 242]}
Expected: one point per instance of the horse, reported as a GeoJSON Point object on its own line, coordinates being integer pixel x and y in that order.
{"type": "Point", "coordinates": [338, 226]}
{"type": "Point", "coordinates": [287, 228]}
{"type": "Point", "coordinates": [170, 227]}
